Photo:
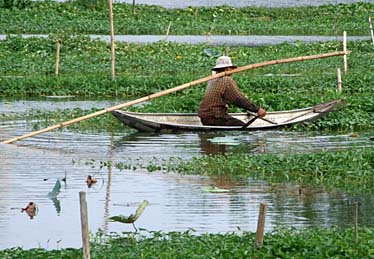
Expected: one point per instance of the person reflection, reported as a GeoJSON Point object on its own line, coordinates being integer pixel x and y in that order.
{"type": "Point", "coordinates": [209, 148]}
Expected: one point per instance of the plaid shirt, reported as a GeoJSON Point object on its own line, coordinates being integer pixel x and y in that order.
{"type": "Point", "coordinates": [219, 93]}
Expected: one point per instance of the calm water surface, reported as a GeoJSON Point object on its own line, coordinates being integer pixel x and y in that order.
{"type": "Point", "coordinates": [30, 168]}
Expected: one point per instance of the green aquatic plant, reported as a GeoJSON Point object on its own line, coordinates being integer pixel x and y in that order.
{"type": "Point", "coordinates": [133, 217]}
{"type": "Point", "coordinates": [89, 17]}
{"type": "Point", "coordinates": [174, 64]}
{"type": "Point", "coordinates": [311, 243]}
{"type": "Point", "coordinates": [350, 170]}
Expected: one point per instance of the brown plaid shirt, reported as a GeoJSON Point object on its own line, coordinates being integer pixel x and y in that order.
{"type": "Point", "coordinates": [219, 93]}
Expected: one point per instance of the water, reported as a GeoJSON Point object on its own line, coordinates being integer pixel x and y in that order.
{"type": "Point", "coordinates": [30, 168]}
{"type": "Point", "coordinates": [215, 40]}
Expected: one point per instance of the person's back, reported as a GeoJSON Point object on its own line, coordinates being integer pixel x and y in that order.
{"type": "Point", "coordinates": [219, 94]}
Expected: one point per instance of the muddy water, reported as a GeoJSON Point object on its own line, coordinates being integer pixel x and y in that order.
{"type": "Point", "coordinates": [29, 170]}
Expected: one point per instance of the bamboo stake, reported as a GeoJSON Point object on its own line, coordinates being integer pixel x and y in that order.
{"type": "Point", "coordinates": [57, 66]}
{"type": "Point", "coordinates": [112, 38]}
{"type": "Point", "coordinates": [356, 223]}
{"type": "Point", "coordinates": [339, 81]}
{"type": "Point", "coordinates": [371, 30]}
{"type": "Point", "coordinates": [84, 225]}
{"type": "Point", "coordinates": [133, 7]}
{"type": "Point", "coordinates": [167, 31]}
{"type": "Point", "coordinates": [175, 89]}
{"type": "Point", "coordinates": [345, 49]}
{"type": "Point", "coordinates": [227, 51]}
{"type": "Point", "coordinates": [261, 225]}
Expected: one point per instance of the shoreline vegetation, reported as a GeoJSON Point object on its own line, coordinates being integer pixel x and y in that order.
{"type": "Point", "coordinates": [27, 68]}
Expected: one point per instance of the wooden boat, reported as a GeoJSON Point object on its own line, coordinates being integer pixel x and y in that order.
{"type": "Point", "coordinates": [172, 122]}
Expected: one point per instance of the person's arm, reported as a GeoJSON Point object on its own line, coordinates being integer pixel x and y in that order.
{"type": "Point", "coordinates": [233, 95]}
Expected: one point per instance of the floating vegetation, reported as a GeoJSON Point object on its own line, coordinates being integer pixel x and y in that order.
{"type": "Point", "coordinates": [133, 217]}
{"type": "Point", "coordinates": [214, 189]}
{"type": "Point", "coordinates": [351, 171]}
{"type": "Point", "coordinates": [74, 18]}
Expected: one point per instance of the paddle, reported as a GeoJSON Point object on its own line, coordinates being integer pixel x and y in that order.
{"type": "Point", "coordinates": [256, 116]}
{"type": "Point", "coordinates": [250, 122]}
{"type": "Point", "coordinates": [175, 89]}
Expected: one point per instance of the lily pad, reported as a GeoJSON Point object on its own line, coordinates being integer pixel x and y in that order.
{"type": "Point", "coordinates": [133, 217]}
{"type": "Point", "coordinates": [212, 53]}
{"type": "Point", "coordinates": [214, 189]}
{"type": "Point", "coordinates": [226, 140]}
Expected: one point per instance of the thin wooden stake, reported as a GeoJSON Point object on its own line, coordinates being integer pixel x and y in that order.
{"type": "Point", "coordinates": [57, 66]}
{"type": "Point", "coordinates": [339, 81]}
{"type": "Point", "coordinates": [167, 31]}
{"type": "Point", "coordinates": [261, 225]}
{"type": "Point", "coordinates": [133, 7]}
{"type": "Point", "coordinates": [175, 89]}
{"type": "Point", "coordinates": [356, 223]}
{"type": "Point", "coordinates": [371, 30]}
{"type": "Point", "coordinates": [345, 50]}
{"type": "Point", "coordinates": [112, 39]}
{"type": "Point", "coordinates": [84, 225]}
{"type": "Point", "coordinates": [227, 51]}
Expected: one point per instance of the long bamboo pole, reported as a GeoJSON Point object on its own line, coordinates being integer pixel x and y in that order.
{"type": "Point", "coordinates": [175, 89]}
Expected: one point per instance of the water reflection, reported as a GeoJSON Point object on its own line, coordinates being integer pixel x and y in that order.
{"type": "Point", "coordinates": [222, 142]}
{"type": "Point", "coordinates": [209, 148]}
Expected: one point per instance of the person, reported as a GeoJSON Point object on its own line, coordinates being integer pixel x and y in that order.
{"type": "Point", "coordinates": [222, 92]}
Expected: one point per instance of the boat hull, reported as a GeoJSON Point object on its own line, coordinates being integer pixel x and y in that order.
{"type": "Point", "coordinates": [174, 122]}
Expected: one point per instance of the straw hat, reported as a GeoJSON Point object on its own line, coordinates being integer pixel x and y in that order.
{"type": "Point", "coordinates": [223, 61]}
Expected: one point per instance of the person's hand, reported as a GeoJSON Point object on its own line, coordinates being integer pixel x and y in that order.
{"type": "Point", "coordinates": [261, 112]}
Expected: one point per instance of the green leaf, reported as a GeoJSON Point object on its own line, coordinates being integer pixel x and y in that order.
{"type": "Point", "coordinates": [133, 217]}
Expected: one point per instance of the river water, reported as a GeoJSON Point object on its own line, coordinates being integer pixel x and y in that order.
{"type": "Point", "coordinates": [30, 168]}
{"type": "Point", "coordinates": [214, 40]}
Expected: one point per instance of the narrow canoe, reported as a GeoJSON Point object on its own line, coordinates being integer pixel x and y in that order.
{"type": "Point", "coordinates": [172, 122]}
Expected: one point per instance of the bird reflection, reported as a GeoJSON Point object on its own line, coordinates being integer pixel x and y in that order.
{"type": "Point", "coordinates": [30, 209]}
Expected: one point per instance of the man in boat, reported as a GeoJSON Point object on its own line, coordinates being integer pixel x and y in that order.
{"type": "Point", "coordinates": [222, 92]}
